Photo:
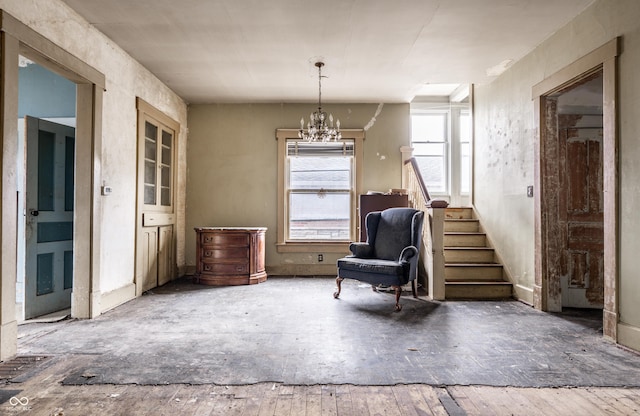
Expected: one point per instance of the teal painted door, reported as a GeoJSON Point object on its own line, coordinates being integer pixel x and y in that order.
{"type": "Point", "coordinates": [49, 222]}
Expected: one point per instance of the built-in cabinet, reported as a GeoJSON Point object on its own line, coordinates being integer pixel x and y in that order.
{"type": "Point", "coordinates": [155, 241]}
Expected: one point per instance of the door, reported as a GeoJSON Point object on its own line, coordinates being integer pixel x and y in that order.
{"type": "Point", "coordinates": [155, 240]}
{"type": "Point", "coordinates": [581, 217]}
{"type": "Point", "coordinates": [49, 217]}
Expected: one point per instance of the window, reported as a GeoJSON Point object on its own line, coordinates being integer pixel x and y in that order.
{"type": "Point", "coordinates": [158, 163]}
{"type": "Point", "coordinates": [441, 142]}
{"type": "Point", "coordinates": [465, 152]}
{"type": "Point", "coordinates": [318, 188]}
{"type": "Point", "coordinates": [429, 139]}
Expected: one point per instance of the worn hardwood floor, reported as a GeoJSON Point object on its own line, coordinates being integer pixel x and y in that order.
{"type": "Point", "coordinates": [276, 399]}
{"type": "Point", "coordinates": [43, 394]}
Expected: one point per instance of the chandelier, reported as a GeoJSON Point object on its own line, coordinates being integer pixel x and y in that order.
{"type": "Point", "coordinates": [319, 129]}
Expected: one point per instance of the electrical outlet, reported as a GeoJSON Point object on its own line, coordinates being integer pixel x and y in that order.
{"type": "Point", "coordinates": [530, 191]}
{"type": "Point", "coordinates": [320, 257]}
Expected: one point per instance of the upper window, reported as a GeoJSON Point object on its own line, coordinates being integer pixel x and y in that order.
{"type": "Point", "coordinates": [318, 188]}
{"type": "Point", "coordinates": [465, 152]}
{"type": "Point", "coordinates": [441, 142]}
{"type": "Point", "coordinates": [430, 142]}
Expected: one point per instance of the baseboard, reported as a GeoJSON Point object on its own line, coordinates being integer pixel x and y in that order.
{"type": "Point", "coordinates": [117, 297]}
{"type": "Point", "coordinates": [523, 294]}
{"type": "Point", "coordinates": [629, 336]}
{"type": "Point", "coordinates": [303, 270]}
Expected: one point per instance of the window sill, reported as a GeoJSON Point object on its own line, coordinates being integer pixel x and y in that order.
{"type": "Point", "coordinates": [313, 247]}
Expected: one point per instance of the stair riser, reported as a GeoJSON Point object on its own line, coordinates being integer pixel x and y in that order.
{"type": "Point", "coordinates": [489, 273]}
{"type": "Point", "coordinates": [469, 256]}
{"type": "Point", "coordinates": [470, 240]}
{"type": "Point", "coordinates": [461, 226]}
{"type": "Point", "coordinates": [478, 292]}
{"type": "Point", "coordinates": [458, 213]}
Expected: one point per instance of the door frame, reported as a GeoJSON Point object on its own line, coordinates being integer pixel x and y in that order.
{"type": "Point", "coordinates": [17, 39]}
{"type": "Point", "coordinates": [546, 291]}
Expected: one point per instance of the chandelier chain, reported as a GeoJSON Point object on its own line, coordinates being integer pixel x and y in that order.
{"type": "Point", "coordinates": [318, 130]}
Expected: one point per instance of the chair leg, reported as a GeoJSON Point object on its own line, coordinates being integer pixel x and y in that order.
{"type": "Point", "coordinates": [398, 290]}
{"type": "Point", "coordinates": [339, 280]}
{"type": "Point", "coordinates": [413, 288]}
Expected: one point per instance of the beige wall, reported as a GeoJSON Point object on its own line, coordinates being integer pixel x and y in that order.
{"type": "Point", "coordinates": [504, 138]}
{"type": "Point", "coordinates": [125, 80]}
{"type": "Point", "coordinates": [232, 174]}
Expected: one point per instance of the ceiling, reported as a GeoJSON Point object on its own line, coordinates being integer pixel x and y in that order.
{"type": "Point", "coordinates": [375, 50]}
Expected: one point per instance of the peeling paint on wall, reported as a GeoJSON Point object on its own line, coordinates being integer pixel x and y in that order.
{"type": "Point", "coordinates": [373, 119]}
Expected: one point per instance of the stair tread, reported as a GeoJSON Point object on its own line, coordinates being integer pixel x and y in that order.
{"type": "Point", "coordinates": [472, 248]}
{"type": "Point", "coordinates": [474, 264]}
{"type": "Point", "coordinates": [464, 232]}
{"type": "Point", "coordinates": [478, 282]}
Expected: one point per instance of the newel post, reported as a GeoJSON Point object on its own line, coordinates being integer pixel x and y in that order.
{"type": "Point", "coordinates": [436, 209]}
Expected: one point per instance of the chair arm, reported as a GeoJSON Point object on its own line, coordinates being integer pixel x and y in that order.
{"type": "Point", "coordinates": [407, 253]}
{"type": "Point", "coordinates": [361, 250]}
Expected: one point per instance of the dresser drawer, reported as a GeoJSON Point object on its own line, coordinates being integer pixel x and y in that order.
{"type": "Point", "coordinates": [224, 253]}
{"type": "Point", "coordinates": [216, 239]}
{"type": "Point", "coordinates": [225, 268]}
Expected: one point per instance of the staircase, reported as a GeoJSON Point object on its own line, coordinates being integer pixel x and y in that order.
{"type": "Point", "coordinates": [470, 271]}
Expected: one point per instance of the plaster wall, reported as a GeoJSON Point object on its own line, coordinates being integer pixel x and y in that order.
{"type": "Point", "coordinates": [126, 79]}
{"type": "Point", "coordinates": [232, 176]}
{"type": "Point", "coordinates": [504, 140]}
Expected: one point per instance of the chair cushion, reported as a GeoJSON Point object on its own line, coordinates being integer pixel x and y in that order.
{"type": "Point", "coordinates": [377, 266]}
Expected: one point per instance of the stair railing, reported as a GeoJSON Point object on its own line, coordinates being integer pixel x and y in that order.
{"type": "Point", "coordinates": [432, 250]}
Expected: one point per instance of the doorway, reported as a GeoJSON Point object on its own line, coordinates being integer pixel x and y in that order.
{"type": "Point", "coordinates": [576, 206]}
{"type": "Point", "coordinates": [46, 143]}
{"type": "Point", "coordinates": [575, 174]}
{"type": "Point", "coordinates": [18, 40]}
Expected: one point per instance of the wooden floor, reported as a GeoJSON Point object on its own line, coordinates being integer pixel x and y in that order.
{"type": "Point", "coordinates": [44, 394]}
{"type": "Point", "coordinates": [274, 399]}
{"type": "Point", "coordinates": [102, 366]}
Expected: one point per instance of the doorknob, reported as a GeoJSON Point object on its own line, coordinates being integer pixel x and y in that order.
{"type": "Point", "coordinates": [34, 212]}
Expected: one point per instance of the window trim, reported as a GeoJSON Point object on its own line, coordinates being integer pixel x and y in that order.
{"type": "Point", "coordinates": [283, 246]}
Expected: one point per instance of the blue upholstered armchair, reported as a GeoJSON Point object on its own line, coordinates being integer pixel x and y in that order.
{"type": "Point", "coordinates": [390, 255]}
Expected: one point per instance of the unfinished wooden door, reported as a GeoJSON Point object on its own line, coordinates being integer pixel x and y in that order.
{"type": "Point", "coordinates": [581, 217]}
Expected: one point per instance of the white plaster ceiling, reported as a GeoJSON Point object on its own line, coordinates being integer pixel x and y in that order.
{"type": "Point", "coordinates": [375, 50]}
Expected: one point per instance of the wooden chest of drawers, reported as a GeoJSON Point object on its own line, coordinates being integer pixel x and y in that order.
{"type": "Point", "coordinates": [230, 256]}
